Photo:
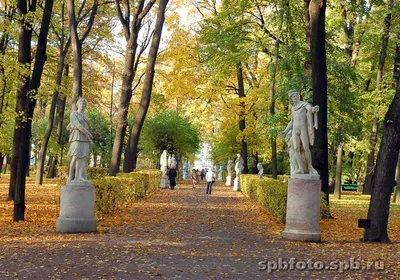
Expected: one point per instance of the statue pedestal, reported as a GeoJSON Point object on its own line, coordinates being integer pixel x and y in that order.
{"type": "Point", "coordinates": [164, 182]}
{"type": "Point", "coordinates": [77, 208]}
{"type": "Point", "coordinates": [228, 181]}
{"type": "Point", "coordinates": [236, 184]}
{"type": "Point", "coordinates": [303, 208]}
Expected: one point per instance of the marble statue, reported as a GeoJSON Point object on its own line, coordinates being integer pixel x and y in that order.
{"type": "Point", "coordinates": [229, 167]}
{"type": "Point", "coordinates": [185, 170]}
{"type": "Point", "coordinates": [220, 171]}
{"type": "Point", "coordinates": [239, 165]}
{"type": "Point", "coordinates": [301, 128]}
{"type": "Point", "coordinates": [80, 141]}
{"type": "Point", "coordinates": [293, 163]}
{"type": "Point", "coordinates": [172, 162]}
{"type": "Point", "coordinates": [260, 170]}
{"type": "Point", "coordinates": [164, 162]}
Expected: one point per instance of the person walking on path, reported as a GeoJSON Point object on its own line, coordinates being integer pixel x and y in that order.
{"type": "Point", "coordinates": [172, 178]}
{"type": "Point", "coordinates": [194, 178]}
{"type": "Point", "coordinates": [210, 177]}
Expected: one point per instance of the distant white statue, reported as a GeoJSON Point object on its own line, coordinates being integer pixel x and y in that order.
{"type": "Point", "coordinates": [229, 167]}
{"type": "Point", "coordinates": [164, 162]}
{"type": "Point", "coordinates": [239, 165]}
{"type": "Point", "coordinates": [221, 170]}
{"type": "Point", "coordinates": [260, 170]}
{"type": "Point", "coordinates": [304, 121]}
{"type": "Point", "coordinates": [80, 141]}
{"type": "Point", "coordinates": [172, 162]}
{"type": "Point", "coordinates": [185, 170]}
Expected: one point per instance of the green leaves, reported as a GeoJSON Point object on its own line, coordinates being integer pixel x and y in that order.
{"type": "Point", "coordinates": [169, 131]}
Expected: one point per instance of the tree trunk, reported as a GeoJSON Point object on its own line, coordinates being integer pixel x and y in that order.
{"type": "Point", "coordinates": [1, 162]}
{"type": "Point", "coordinates": [254, 158]}
{"type": "Point", "coordinates": [28, 85]}
{"type": "Point", "coordinates": [374, 134]}
{"type": "Point", "coordinates": [63, 49]}
{"type": "Point", "coordinates": [338, 177]}
{"type": "Point", "coordinates": [132, 149]}
{"type": "Point", "coordinates": [371, 156]}
{"type": "Point", "coordinates": [396, 195]}
{"type": "Point", "coordinates": [49, 128]}
{"type": "Point", "coordinates": [308, 59]}
{"type": "Point", "coordinates": [385, 170]}
{"type": "Point", "coordinates": [76, 44]}
{"type": "Point", "coordinates": [52, 167]}
{"type": "Point", "coordinates": [242, 117]}
{"type": "Point", "coordinates": [274, 160]}
{"type": "Point", "coordinates": [61, 102]}
{"type": "Point", "coordinates": [127, 80]}
{"type": "Point", "coordinates": [320, 97]}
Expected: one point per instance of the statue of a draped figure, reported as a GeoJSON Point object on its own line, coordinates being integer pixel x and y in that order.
{"type": "Point", "coordinates": [300, 132]}
{"type": "Point", "coordinates": [80, 141]}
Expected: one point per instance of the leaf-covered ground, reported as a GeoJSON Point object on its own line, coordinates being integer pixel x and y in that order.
{"type": "Point", "coordinates": [186, 234]}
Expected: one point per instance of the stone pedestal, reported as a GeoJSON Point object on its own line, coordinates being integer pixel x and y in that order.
{"type": "Point", "coordinates": [228, 181]}
{"type": "Point", "coordinates": [164, 182]}
{"type": "Point", "coordinates": [236, 184]}
{"type": "Point", "coordinates": [77, 208]}
{"type": "Point", "coordinates": [303, 208]}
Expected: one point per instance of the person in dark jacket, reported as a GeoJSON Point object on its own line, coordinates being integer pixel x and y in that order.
{"type": "Point", "coordinates": [172, 178]}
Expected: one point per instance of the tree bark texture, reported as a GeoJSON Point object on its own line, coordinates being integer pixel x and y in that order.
{"type": "Point", "coordinates": [320, 97]}
{"type": "Point", "coordinates": [385, 170]}
{"type": "Point", "coordinates": [49, 127]}
{"type": "Point", "coordinates": [307, 61]}
{"type": "Point", "coordinates": [61, 103]}
{"type": "Point", "coordinates": [338, 177]}
{"type": "Point", "coordinates": [242, 117]}
{"type": "Point", "coordinates": [274, 160]}
{"type": "Point", "coordinates": [384, 174]}
{"type": "Point", "coordinates": [76, 44]}
{"type": "Point", "coordinates": [396, 195]}
{"type": "Point", "coordinates": [131, 34]}
{"type": "Point", "coordinates": [132, 149]}
{"type": "Point", "coordinates": [26, 104]}
{"type": "Point", "coordinates": [379, 78]}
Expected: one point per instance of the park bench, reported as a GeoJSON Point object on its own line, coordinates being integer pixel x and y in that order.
{"type": "Point", "coordinates": [349, 187]}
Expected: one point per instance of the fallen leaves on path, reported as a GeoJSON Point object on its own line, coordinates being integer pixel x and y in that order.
{"type": "Point", "coordinates": [181, 233]}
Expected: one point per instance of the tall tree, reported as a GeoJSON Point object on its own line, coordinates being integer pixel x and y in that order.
{"type": "Point", "coordinates": [63, 46]}
{"type": "Point", "coordinates": [26, 101]}
{"type": "Point", "coordinates": [77, 42]}
{"type": "Point", "coordinates": [131, 23]}
{"type": "Point", "coordinates": [132, 149]}
{"type": "Point", "coordinates": [382, 182]}
{"type": "Point", "coordinates": [375, 123]}
{"type": "Point", "coordinates": [242, 116]}
{"type": "Point", "coordinates": [320, 95]}
{"type": "Point", "coordinates": [8, 11]}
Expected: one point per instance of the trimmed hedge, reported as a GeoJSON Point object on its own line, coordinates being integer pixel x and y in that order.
{"type": "Point", "coordinates": [114, 192]}
{"type": "Point", "coordinates": [92, 173]}
{"type": "Point", "coordinates": [273, 194]}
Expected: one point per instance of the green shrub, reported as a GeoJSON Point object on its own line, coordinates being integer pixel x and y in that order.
{"type": "Point", "coordinates": [273, 194]}
{"type": "Point", "coordinates": [153, 178]}
{"type": "Point", "coordinates": [114, 192]}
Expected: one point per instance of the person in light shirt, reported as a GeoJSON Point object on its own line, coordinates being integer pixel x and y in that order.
{"type": "Point", "coordinates": [210, 177]}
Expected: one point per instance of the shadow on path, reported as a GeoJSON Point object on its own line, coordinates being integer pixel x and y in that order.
{"type": "Point", "coordinates": [182, 234]}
